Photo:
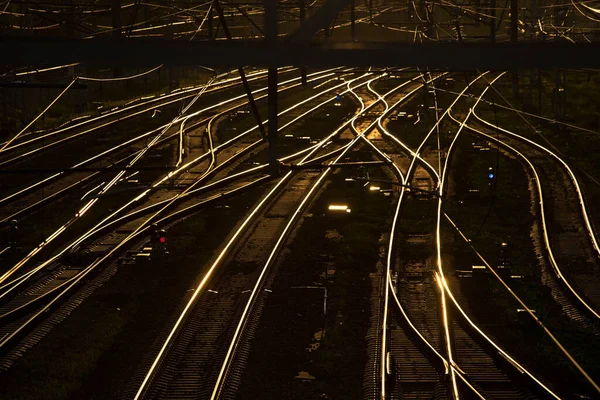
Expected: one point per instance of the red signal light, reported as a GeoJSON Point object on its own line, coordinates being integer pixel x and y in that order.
{"type": "Point", "coordinates": [162, 239]}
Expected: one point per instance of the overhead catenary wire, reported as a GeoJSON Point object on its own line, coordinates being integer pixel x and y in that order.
{"type": "Point", "coordinates": [124, 78]}
{"type": "Point", "coordinates": [440, 277]}
{"type": "Point", "coordinates": [39, 115]}
{"type": "Point", "coordinates": [526, 308]}
{"type": "Point", "coordinates": [178, 12]}
{"type": "Point", "coordinates": [582, 13]}
{"type": "Point", "coordinates": [560, 158]}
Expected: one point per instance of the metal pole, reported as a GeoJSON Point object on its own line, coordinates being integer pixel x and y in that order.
{"type": "Point", "coordinates": [270, 21]}
{"type": "Point", "coordinates": [302, 10]}
{"type": "Point", "coordinates": [116, 23]}
{"type": "Point", "coordinates": [557, 96]}
{"type": "Point", "coordinates": [514, 18]}
{"type": "Point", "coordinates": [253, 106]}
{"type": "Point", "coordinates": [70, 22]}
{"type": "Point", "coordinates": [303, 70]}
{"type": "Point", "coordinates": [563, 97]}
{"type": "Point", "coordinates": [430, 20]}
{"type": "Point", "coordinates": [271, 37]}
{"type": "Point", "coordinates": [458, 33]}
{"type": "Point", "coordinates": [539, 87]}
{"type": "Point", "coordinates": [352, 18]}
{"type": "Point", "coordinates": [116, 18]}
{"type": "Point", "coordinates": [210, 23]}
{"type": "Point", "coordinates": [493, 21]}
{"type": "Point", "coordinates": [272, 125]}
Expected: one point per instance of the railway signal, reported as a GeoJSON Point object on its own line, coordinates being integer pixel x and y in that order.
{"type": "Point", "coordinates": [161, 245]}
{"type": "Point", "coordinates": [13, 235]}
{"type": "Point", "coordinates": [491, 175]}
{"type": "Point", "coordinates": [162, 237]}
{"type": "Point", "coordinates": [158, 239]}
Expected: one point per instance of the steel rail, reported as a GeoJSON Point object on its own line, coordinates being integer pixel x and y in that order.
{"type": "Point", "coordinates": [438, 233]}
{"type": "Point", "coordinates": [591, 235]}
{"type": "Point", "coordinates": [408, 176]}
{"type": "Point", "coordinates": [227, 362]}
{"type": "Point", "coordinates": [388, 284]}
{"type": "Point", "coordinates": [90, 203]}
{"type": "Point", "coordinates": [388, 278]}
{"type": "Point", "coordinates": [181, 169]}
{"type": "Point", "coordinates": [140, 229]}
{"type": "Point", "coordinates": [199, 289]}
{"type": "Point", "coordinates": [125, 144]}
{"type": "Point", "coordinates": [440, 273]}
{"type": "Point", "coordinates": [510, 291]}
{"type": "Point", "coordinates": [185, 92]}
{"type": "Point", "coordinates": [226, 365]}
{"type": "Point", "coordinates": [574, 180]}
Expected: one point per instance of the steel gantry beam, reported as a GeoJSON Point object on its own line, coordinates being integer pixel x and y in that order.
{"type": "Point", "coordinates": [107, 52]}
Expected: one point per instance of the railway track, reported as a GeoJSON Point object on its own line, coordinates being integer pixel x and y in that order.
{"type": "Point", "coordinates": [30, 144]}
{"type": "Point", "coordinates": [477, 369]}
{"type": "Point", "coordinates": [61, 274]}
{"type": "Point", "coordinates": [235, 349]}
{"type": "Point", "coordinates": [409, 373]}
{"type": "Point", "coordinates": [420, 350]}
{"type": "Point", "coordinates": [383, 141]}
{"type": "Point", "coordinates": [53, 185]}
{"type": "Point", "coordinates": [193, 362]}
{"type": "Point", "coordinates": [570, 242]}
{"type": "Point", "coordinates": [193, 352]}
{"type": "Point", "coordinates": [363, 122]}
{"type": "Point", "coordinates": [543, 173]}
{"type": "Point", "coordinates": [115, 180]}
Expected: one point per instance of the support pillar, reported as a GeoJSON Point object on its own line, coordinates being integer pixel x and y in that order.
{"type": "Point", "coordinates": [430, 20]}
{"type": "Point", "coordinates": [303, 70]}
{"type": "Point", "coordinates": [209, 21]}
{"type": "Point", "coordinates": [302, 6]}
{"type": "Point", "coordinates": [458, 32]}
{"type": "Point", "coordinates": [352, 20]}
{"type": "Point", "coordinates": [116, 18]}
{"type": "Point", "coordinates": [69, 23]}
{"type": "Point", "coordinates": [272, 125]}
{"type": "Point", "coordinates": [514, 20]}
{"type": "Point", "coordinates": [253, 107]}
{"type": "Point", "coordinates": [116, 24]}
{"type": "Point", "coordinates": [493, 21]}
{"type": "Point", "coordinates": [271, 37]}
{"type": "Point", "coordinates": [539, 86]}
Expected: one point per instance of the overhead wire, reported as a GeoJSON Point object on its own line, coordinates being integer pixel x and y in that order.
{"type": "Point", "coordinates": [39, 115]}
{"type": "Point", "coordinates": [526, 308]}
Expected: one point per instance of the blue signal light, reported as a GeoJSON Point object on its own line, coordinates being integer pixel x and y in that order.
{"type": "Point", "coordinates": [491, 176]}
{"type": "Point", "coordinates": [338, 97]}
